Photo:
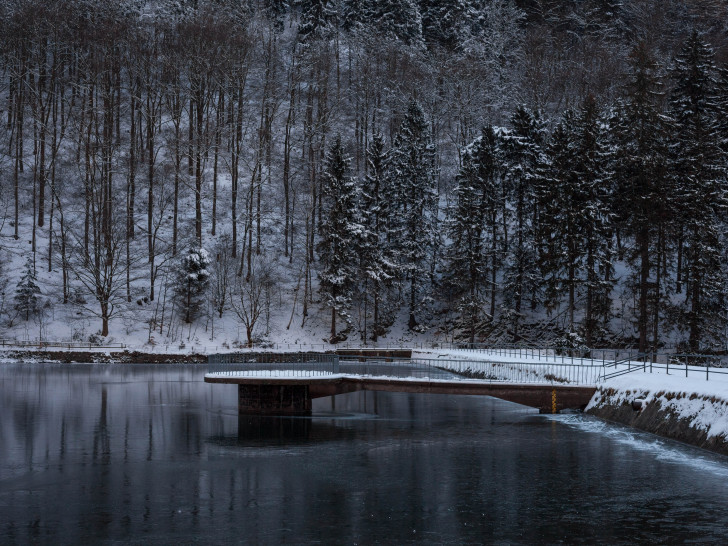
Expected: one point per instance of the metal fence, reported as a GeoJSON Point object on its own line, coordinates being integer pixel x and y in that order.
{"type": "Point", "coordinates": [309, 365]}
{"type": "Point", "coordinates": [273, 364]}
{"type": "Point", "coordinates": [572, 371]}
{"type": "Point", "coordinates": [554, 353]}
{"type": "Point", "coordinates": [690, 365]}
{"type": "Point", "coordinates": [538, 366]}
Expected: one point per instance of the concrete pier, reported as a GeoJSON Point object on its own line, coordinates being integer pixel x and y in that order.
{"type": "Point", "coordinates": [291, 399]}
{"type": "Point", "coordinates": [292, 396]}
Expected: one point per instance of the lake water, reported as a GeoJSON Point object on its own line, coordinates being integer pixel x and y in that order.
{"type": "Point", "coordinates": [151, 454]}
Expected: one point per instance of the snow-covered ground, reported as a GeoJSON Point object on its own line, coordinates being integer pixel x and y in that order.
{"type": "Point", "coordinates": [703, 403]}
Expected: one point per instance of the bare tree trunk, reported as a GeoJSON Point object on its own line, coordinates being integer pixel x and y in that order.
{"type": "Point", "coordinates": [237, 109]}
{"type": "Point", "coordinates": [132, 161]}
{"type": "Point", "coordinates": [151, 128]}
{"type": "Point", "coordinates": [307, 275]}
{"type": "Point", "coordinates": [218, 128]}
{"type": "Point", "coordinates": [191, 139]}
{"type": "Point", "coordinates": [200, 124]}
{"type": "Point", "coordinates": [249, 222]}
{"type": "Point", "coordinates": [177, 169]}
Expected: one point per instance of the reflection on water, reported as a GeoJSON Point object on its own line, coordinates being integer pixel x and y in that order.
{"type": "Point", "coordinates": [152, 454]}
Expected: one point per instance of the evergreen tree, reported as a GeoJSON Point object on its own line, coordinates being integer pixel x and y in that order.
{"type": "Point", "coordinates": [490, 159]}
{"type": "Point", "coordinates": [556, 225]}
{"type": "Point", "coordinates": [398, 19]}
{"type": "Point", "coordinates": [413, 196]}
{"type": "Point", "coordinates": [276, 11]}
{"type": "Point", "coordinates": [445, 22]}
{"type": "Point", "coordinates": [642, 200]}
{"type": "Point", "coordinates": [27, 292]}
{"type": "Point", "coordinates": [523, 157]}
{"type": "Point", "coordinates": [391, 19]}
{"type": "Point", "coordinates": [316, 19]}
{"type": "Point", "coordinates": [698, 167]}
{"type": "Point", "coordinates": [722, 106]}
{"type": "Point", "coordinates": [354, 14]}
{"type": "Point", "coordinates": [193, 278]}
{"type": "Point", "coordinates": [593, 177]}
{"type": "Point", "coordinates": [339, 232]}
{"type": "Point", "coordinates": [468, 221]}
{"type": "Point", "coordinates": [374, 254]}
{"type": "Point", "coordinates": [574, 224]}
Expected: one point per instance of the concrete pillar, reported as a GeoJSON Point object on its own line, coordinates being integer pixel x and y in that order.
{"type": "Point", "coordinates": [266, 427]}
{"type": "Point", "coordinates": [274, 400]}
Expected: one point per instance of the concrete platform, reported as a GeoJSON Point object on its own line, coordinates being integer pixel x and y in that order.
{"type": "Point", "coordinates": [293, 395]}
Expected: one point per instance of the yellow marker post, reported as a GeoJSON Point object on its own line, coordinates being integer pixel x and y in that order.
{"type": "Point", "coordinates": [553, 401]}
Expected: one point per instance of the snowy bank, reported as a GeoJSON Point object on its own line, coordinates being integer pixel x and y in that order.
{"type": "Point", "coordinates": [690, 410]}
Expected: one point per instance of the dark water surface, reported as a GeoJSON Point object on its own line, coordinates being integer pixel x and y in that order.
{"type": "Point", "coordinates": [144, 454]}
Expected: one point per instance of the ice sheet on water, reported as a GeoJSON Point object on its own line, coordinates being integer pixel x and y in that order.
{"type": "Point", "coordinates": [662, 449]}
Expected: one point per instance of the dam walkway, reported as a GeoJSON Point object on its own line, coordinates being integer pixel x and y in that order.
{"type": "Point", "coordinates": [285, 384]}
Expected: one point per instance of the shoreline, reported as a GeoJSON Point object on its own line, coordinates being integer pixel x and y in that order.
{"type": "Point", "coordinates": [100, 357]}
{"type": "Point", "coordinates": [695, 419]}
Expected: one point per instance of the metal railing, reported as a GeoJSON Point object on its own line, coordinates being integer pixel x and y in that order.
{"type": "Point", "coordinates": [267, 365]}
{"type": "Point", "coordinates": [605, 356]}
{"type": "Point", "coordinates": [537, 367]}
{"type": "Point", "coordinates": [575, 371]}
{"type": "Point", "coordinates": [677, 364]}
{"type": "Point", "coordinates": [272, 364]}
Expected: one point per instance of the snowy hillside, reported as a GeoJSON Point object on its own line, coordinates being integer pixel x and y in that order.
{"type": "Point", "coordinates": [222, 173]}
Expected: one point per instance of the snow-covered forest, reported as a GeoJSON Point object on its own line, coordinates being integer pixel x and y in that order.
{"type": "Point", "coordinates": [480, 170]}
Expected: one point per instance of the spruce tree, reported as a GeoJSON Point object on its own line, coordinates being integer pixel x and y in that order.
{"type": "Point", "coordinates": [317, 17]}
{"type": "Point", "coordinates": [642, 201]}
{"type": "Point", "coordinates": [444, 22]}
{"type": "Point", "coordinates": [593, 177]}
{"type": "Point", "coordinates": [354, 14]}
{"type": "Point", "coordinates": [390, 19]}
{"type": "Point", "coordinates": [574, 224]}
{"type": "Point", "coordinates": [338, 236]}
{"type": "Point", "coordinates": [469, 218]}
{"type": "Point", "coordinates": [27, 292]}
{"type": "Point", "coordinates": [374, 253]}
{"type": "Point", "coordinates": [556, 225]}
{"type": "Point", "coordinates": [393, 19]}
{"type": "Point", "coordinates": [523, 157]}
{"type": "Point", "coordinates": [698, 167]}
{"type": "Point", "coordinates": [193, 278]}
{"type": "Point", "coordinates": [413, 196]}
{"type": "Point", "coordinates": [276, 11]}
